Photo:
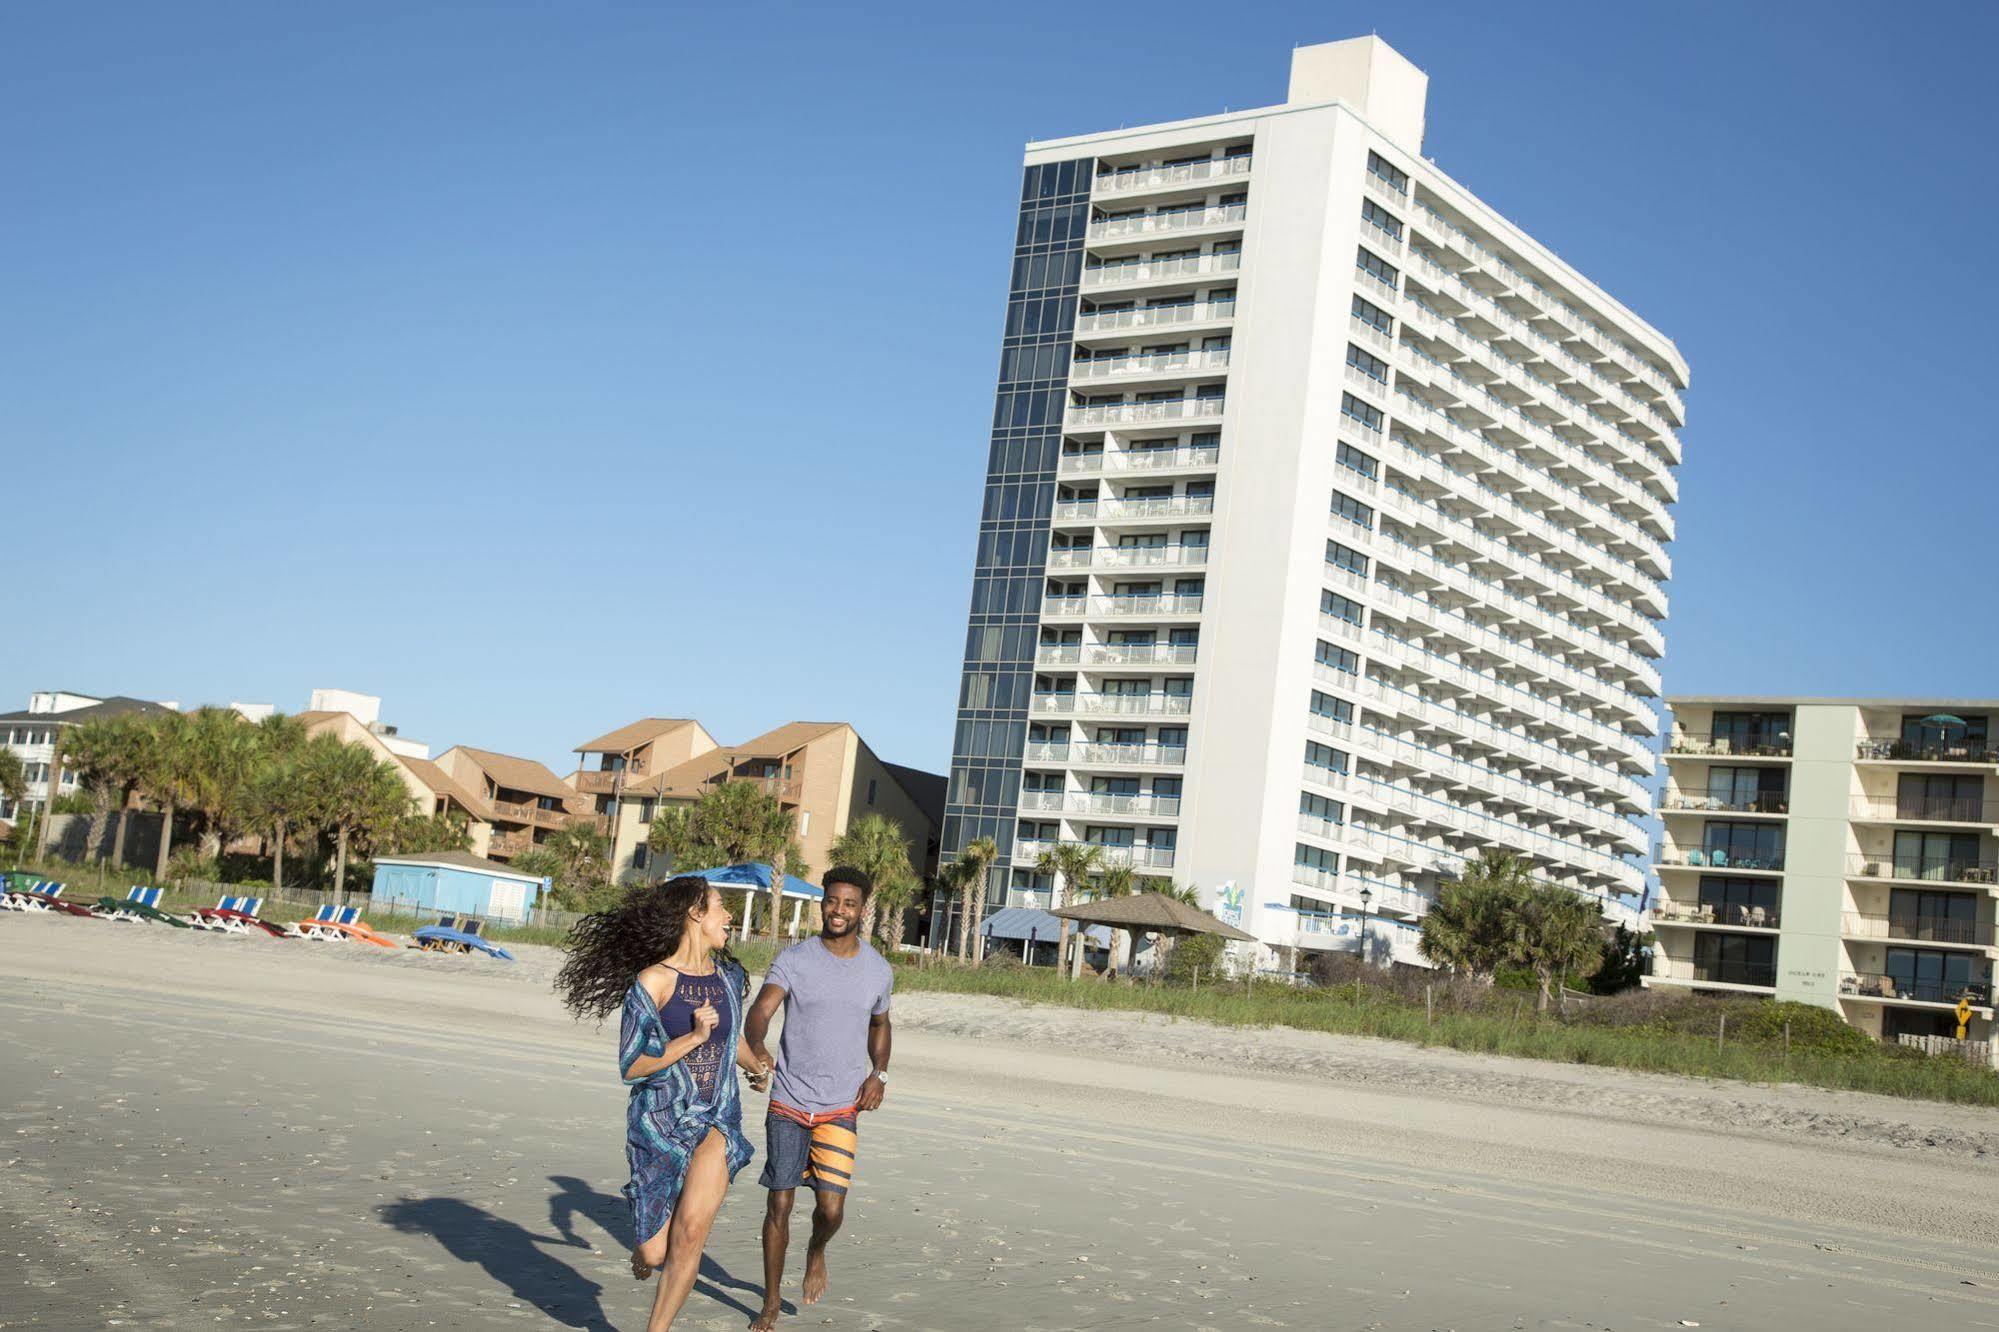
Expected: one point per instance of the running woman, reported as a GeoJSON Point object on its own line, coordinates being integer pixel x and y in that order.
{"type": "Point", "coordinates": [661, 956]}
{"type": "Point", "coordinates": [832, 1066]}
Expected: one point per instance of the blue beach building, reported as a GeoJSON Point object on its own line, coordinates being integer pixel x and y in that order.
{"type": "Point", "coordinates": [456, 882]}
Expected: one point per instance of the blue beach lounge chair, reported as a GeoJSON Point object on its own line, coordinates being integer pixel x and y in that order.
{"type": "Point", "coordinates": [235, 915]}
{"type": "Point", "coordinates": [47, 896]}
{"type": "Point", "coordinates": [465, 937]}
{"type": "Point", "coordinates": [140, 905]}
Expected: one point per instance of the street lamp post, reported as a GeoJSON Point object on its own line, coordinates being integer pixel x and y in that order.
{"type": "Point", "coordinates": [1366, 896]}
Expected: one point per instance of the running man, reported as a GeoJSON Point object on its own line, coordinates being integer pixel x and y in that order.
{"type": "Point", "coordinates": [832, 1064]}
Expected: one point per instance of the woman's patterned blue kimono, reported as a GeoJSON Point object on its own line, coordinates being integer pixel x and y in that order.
{"type": "Point", "coordinates": [667, 1119]}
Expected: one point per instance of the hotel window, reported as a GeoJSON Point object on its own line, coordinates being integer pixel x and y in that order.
{"type": "Point", "coordinates": [1739, 901]}
{"type": "Point", "coordinates": [1346, 557]}
{"type": "Point", "coordinates": [1351, 509]}
{"type": "Point", "coordinates": [1339, 607]}
{"type": "Point", "coordinates": [1935, 855]}
{"type": "Point", "coordinates": [1319, 807]}
{"type": "Point", "coordinates": [1354, 460]}
{"type": "Point", "coordinates": [1381, 217]}
{"type": "Point", "coordinates": [1370, 262]}
{"type": "Point", "coordinates": [1395, 179]}
{"type": "Point", "coordinates": [871, 790]}
{"type": "Point", "coordinates": [1372, 315]}
{"type": "Point", "coordinates": [1744, 845]}
{"type": "Point", "coordinates": [641, 856]}
{"type": "Point", "coordinates": [1325, 705]}
{"type": "Point", "coordinates": [1312, 857]}
{"type": "Point", "coordinates": [1368, 364]}
{"type": "Point", "coordinates": [1325, 756]}
{"type": "Point", "coordinates": [1339, 658]}
{"type": "Point", "coordinates": [1750, 731]}
{"type": "Point", "coordinates": [1757, 789]}
{"type": "Point", "coordinates": [1363, 412]}
{"type": "Point", "coordinates": [1920, 795]}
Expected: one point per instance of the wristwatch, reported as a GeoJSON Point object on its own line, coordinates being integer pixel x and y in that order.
{"type": "Point", "coordinates": [881, 1076]}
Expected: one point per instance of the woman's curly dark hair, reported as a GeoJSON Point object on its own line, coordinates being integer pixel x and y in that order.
{"type": "Point", "coordinates": [608, 949]}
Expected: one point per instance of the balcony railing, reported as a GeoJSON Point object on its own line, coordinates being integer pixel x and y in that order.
{"type": "Point", "coordinates": [1728, 746]}
{"type": "Point", "coordinates": [1100, 802]}
{"type": "Point", "coordinates": [1106, 754]}
{"type": "Point", "coordinates": [1125, 180]}
{"type": "Point", "coordinates": [1718, 858]}
{"type": "Point", "coordinates": [1714, 973]}
{"type": "Point", "coordinates": [1729, 804]}
{"type": "Point", "coordinates": [508, 809]}
{"type": "Point", "coordinates": [1876, 985]}
{"type": "Point", "coordinates": [1918, 929]}
{"type": "Point", "coordinates": [1161, 270]}
{"type": "Point", "coordinates": [1748, 917]}
{"type": "Point", "coordinates": [1027, 851]}
{"type": "Point", "coordinates": [603, 781]}
{"type": "Point", "coordinates": [1127, 557]}
{"type": "Point", "coordinates": [1941, 752]}
{"type": "Point", "coordinates": [1153, 363]}
{"type": "Point", "coordinates": [1130, 654]}
{"type": "Point", "coordinates": [508, 844]}
{"type": "Point", "coordinates": [1141, 460]}
{"type": "Point", "coordinates": [1166, 221]}
{"type": "Point", "coordinates": [1161, 604]}
{"type": "Point", "coordinates": [1927, 809]}
{"type": "Point", "coordinates": [1154, 316]}
{"type": "Point", "coordinates": [1928, 869]}
{"type": "Point", "coordinates": [1141, 413]}
{"type": "Point", "coordinates": [1113, 510]}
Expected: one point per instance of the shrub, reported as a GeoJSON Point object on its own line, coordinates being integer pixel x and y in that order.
{"type": "Point", "coordinates": [1196, 950]}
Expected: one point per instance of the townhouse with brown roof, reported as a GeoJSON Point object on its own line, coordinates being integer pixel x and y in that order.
{"type": "Point", "coordinates": [822, 771]}
{"type": "Point", "coordinates": [523, 800]}
{"type": "Point", "coordinates": [434, 790]}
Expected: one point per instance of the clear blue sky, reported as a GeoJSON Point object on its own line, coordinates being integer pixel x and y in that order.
{"type": "Point", "coordinates": [542, 366]}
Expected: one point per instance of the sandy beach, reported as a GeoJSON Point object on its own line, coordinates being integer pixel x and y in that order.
{"type": "Point", "coordinates": [210, 1131]}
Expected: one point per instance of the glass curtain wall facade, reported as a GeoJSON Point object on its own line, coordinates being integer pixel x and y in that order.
{"type": "Point", "coordinates": [1011, 563]}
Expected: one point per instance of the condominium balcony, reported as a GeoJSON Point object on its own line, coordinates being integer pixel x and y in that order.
{"type": "Point", "coordinates": [1705, 745]}
{"type": "Point", "coordinates": [1925, 809]}
{"type": "Point", "coordinates": [1100, 802]}
{"type": "Point", "coordinates": [1133, 510]}
{"type": "Point", "coordinates": [1150, 365]}
{"type": "Point", "coordinates": [1946, 930]}
{"type": "Point", "coordinates": [1906, 989]}
{"type": "Point", "coordinates": [1971, 872]}
{"type": "Point", "coordinates": [1382, 898]}
{"type": "Point", "coordinates": [1093, 322]}
{"type": "Point", "coordinates": [1683, 803]}
{"type": "Point", "coordinates": [1137, 180]}
{"type": "Point", "coordinates": [1141, 654]}
{"type": "Point", "coordinates": [1737, 917]}
{"type": "Point", "coordinates": [1150, 606]}
{"type": "Point", "coordinates": [1978, 753]}
{"type": "Point", "coordinates": [1319, 775]}
{"type": "Point", "coordinates": [1740, 975]}
{"type": "Point", "coordinates": [535, 814]}
{"type": "Point", "coordinates": [1719, 859]}
{"type": "Point", "coordinates": [603, 782]}
{"type": "Point", "coordinates": [508, 844]}
{"type": "Point", "coordinates": [1114, 461]}
{"type": "Point", "coordinates": [1028, 851]}
{"type": "Point", "coordinates": [1104, 754]}
{"type": "Point", "coordinates": [1128, 557]}
{"type": "Point", "coordinates": [1148, 272]}
{"type": "Point", "coordinates": [1168, 222]}
{"type": "Point", "coordinates": [1113, 705]}
{"type": "Point", "coordinates": [1082, 416]}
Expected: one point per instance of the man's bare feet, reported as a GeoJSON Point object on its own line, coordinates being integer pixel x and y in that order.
{"type": "Point", "coordinates": [815, 1275]}
{"type": "Point", "coordinates": [767, 1320]}
{"type": "Point", "coordinates": [641, 1269]}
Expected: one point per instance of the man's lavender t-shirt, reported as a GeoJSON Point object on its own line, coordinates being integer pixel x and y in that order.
{"type": "Point", "coordinates": [822, 1058]}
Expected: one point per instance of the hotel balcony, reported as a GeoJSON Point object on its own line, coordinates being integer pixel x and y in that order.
{"type": "Point", "coordinates": [1154, 365]}
{"type": "Point", "coordinates": [1161, 272]}
{"type": "Point", "coordinates": [1119, 462]}
{"type": "Point", "coordinates": [1112, 705]}
{"type": "Point", "coordinates": [1883, 988]}
{"type": "Point", "coordinates": [1159, 606]}
{"type": "Point", "coordinates": [1703, 859]}
{"type": "Point", "coordinates": [1128, 557]}
{"type": "Point", "coordinates": [1097, 323]}
{"type": "Point", "coordinates": [1943, 931]}
{"type": "Point", "coordinates": [1134, 510]}
{"type": "Point", "coordinates": [1924, 809]}
{"type": "Point", "coordinates": [1141, 654]}
{"type": "Point", "coordinates": [1676, 802]}
{"type": "Point", "coordinates": [1736, 918]}
{"type": "Point", "coordinates": [1703, 745]}
{"type": "Point", "coordinates": [1959, 752]}
{"type": "Point", "coordinates": [1102, 754]}
{"type": "Point", "coordinates": [1107, 414]}
{"type": "Point", "coordinates": [1027, 852]}
{"type": "Point", "coordinates": [1727, 975]}
{"type": "Point", "coordinates": [1941, 870]}
{"type": "Point", "coordinates": [1127, 181]}
{"type": "Point", "coordinates": [1171, 222]}
{"type": "Point", "coordinates": [534, 814]}
{"type": "Point", "coordinates": [1100, 802]}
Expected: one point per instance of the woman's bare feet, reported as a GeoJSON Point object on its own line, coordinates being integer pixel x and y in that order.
{"type": "Point", "coordinates": [641, 1269]}
{"type": "Point", "coordinates": [815, 1275]}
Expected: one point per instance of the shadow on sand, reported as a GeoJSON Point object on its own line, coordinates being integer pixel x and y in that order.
{"type": "Point", "coordinates": [527, 1263]}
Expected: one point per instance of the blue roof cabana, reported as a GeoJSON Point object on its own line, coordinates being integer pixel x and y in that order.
{"type": "Point", "coordinates": [755, 878]}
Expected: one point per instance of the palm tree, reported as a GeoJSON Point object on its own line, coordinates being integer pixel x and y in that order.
{"type": "Point", "coordinates": [1554, 933]}
{"type": "Point", "coordinates": [91, 752]}
{"type": "Point", "coordinates": [585, 854]}
{"type": "Point", "coordinates": [167, 764]}
{"type": "Point", "coordinates": [225, 755]}
{"type": "Point", "coordinates": [125, 767]}
{"type": "Point", "coordinates": [731, 824]}
{"type": "Point", "coordinates": [978, 856]}
{"type": "Point", "coordinates": [894, 898]}
{"type": "Point", "coordinates": [1116, 880]}
{"type": "Point", "coordinates": [13, 778]}
{"type": "Point", "coordinates": [272, 799]}
{"type": "Point", "coordinates": [1469, 928]}
{"type": "Point", "coordinates": [350, 793]}
{"type": "Point", "coordinates": [1069, 865]}
{"type": "Point", "coordinates": [874, 844]}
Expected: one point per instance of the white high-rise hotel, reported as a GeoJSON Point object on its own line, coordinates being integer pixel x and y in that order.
{"type": "Point", "coordinates": [1325, 524]}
